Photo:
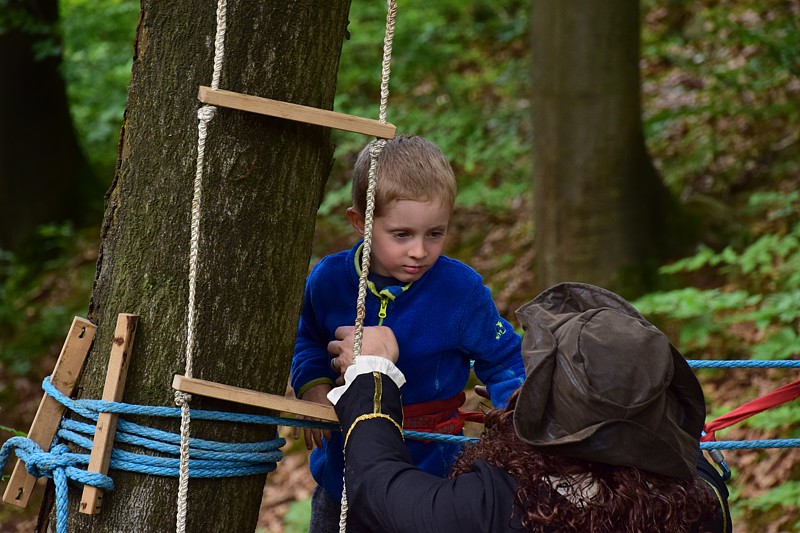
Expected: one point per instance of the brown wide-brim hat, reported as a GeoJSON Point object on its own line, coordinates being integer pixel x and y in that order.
{"type": "Point", "coordinates": [605, 385]}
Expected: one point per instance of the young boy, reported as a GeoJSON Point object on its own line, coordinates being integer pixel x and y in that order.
{"type": "Point", "coordinates": [439, 309]}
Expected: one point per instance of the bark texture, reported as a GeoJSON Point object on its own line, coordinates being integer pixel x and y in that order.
{"type": "Point", "coordinates": [598, 200]}
{"type": "Point", "coordinates": [264, 179]}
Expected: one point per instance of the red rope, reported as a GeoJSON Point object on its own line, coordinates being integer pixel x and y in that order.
{"type": "Point", "coordinates": [777, 397]}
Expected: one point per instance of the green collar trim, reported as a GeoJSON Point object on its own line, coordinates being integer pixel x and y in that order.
{"type": "Point", "coordinates": [383, 293]}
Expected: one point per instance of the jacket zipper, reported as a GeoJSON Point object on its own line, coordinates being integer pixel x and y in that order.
{"type": "Point", "coordinates": [382, 310]}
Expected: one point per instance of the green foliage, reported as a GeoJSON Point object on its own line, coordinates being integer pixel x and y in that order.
{"type": "Point", "coordinates": [98, 52]}
{"type": "Point", "coordinates": [760, 286]}
{"type": "Point", "coordinates": [720, 91]}
{"type": "Point", "coordinates": [783, 343]}
{"type": "Point", "coordinates": [45, 34]}
{"type": "Point", "coordinates": [702, 313]}
{"type": "Point", "coordinates": [460, 73]}
{"type": "Point", "coordinates": [39, 299]}
{"type": "Point", "coordinates": [298, 516]}
{"type": "Point", "coordinates": [14, 432]}
{"type": "Point", "coordinates": [778, 418]}
{"type": "Point", "coordinates": [784, 495]}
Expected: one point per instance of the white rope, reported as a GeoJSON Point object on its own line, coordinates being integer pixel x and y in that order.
{"type": "Point", "coordinates": [219, 42]}
{"type": "Point", "coordinates": [205, 114]}
{"type": "Point", "coordinates": [374, 151]}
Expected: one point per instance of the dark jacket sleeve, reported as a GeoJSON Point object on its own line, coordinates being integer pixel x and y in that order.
{"type": "Point", "coordinates": [386, 492]}
{"type": "Point", "coordinates": [709, 475]}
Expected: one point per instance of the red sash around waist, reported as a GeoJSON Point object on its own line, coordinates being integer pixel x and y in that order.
{"type": "Point", "coordinates": [439, 416]}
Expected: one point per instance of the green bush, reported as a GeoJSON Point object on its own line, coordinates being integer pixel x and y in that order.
{"type": "Point", "coordinates": [758, 285]}
{"type": "Point", "coordinates": [39, 299]}
{"type": "Point", "coordinates": [720, 89]}
{"type": "Point", "coordinates": [98, 53]}
{"type": "Point", "coordinates": [460, 73]}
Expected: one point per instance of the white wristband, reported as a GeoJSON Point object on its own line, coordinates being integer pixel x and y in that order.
{"type": "Point", "coordinates": [366, 364]}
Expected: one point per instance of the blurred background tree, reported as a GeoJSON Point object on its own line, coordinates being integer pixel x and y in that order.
{"type": "Point", "coordinates": [44, 176]}
{"type": "Point", "coordinates": [600, 208]}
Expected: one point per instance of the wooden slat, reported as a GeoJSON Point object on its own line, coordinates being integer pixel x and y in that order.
{"type": "Point", "coordinates": [273, 402]}
{"type": "Point", "coordinates": [300, 113]}
{"type": "Point", "coordinates": [48, 416]}
{"type": "Point", "coordinates": [116, 375]}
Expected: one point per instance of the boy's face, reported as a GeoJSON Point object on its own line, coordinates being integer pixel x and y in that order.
{"type": "Point", "coordinates": [407, 238]}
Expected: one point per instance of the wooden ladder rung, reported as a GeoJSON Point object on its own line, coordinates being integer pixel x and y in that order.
{"type": "Point", "coordinates": [300, 113]}
{"type": "Point", "coordinates": [255, 398]}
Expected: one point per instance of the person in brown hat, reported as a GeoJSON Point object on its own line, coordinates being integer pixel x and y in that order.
{"type": "Point", "coordinates": [603, 436]}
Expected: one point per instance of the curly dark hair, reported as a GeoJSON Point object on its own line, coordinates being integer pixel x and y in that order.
{"type": "Point", "coordinates": [558, 493]}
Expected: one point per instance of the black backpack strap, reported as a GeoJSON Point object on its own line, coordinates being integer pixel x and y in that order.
{"type": "Point", "coordinates": [712, 478]}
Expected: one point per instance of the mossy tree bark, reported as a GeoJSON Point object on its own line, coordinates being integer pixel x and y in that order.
{"type": "Point", "coordinates": [264, 179]}
{"type": "Point", "coordinates": [599, 203]}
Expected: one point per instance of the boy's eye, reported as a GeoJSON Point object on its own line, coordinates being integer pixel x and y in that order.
{"type": "Point", "coordinates": [436, 234]}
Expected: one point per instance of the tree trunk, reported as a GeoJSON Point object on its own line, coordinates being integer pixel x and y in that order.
{"type": "Point", "coordinates": [43, 174]}
{"type": "Point", "coordinates": [598, 200]}
{"type": "Point", "coordinates": [264, 179]}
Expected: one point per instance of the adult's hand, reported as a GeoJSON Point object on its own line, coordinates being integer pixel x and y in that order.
{"type": "Point", "coordinates": [376, 340]}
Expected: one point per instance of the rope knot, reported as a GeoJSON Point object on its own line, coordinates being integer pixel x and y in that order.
{"type": "Point", "coordinates": [42, 464]}
{"type": "Point", "coordinates": [38, 462]}
{"type": "Point", "coordinates": [376, 147]}
{"type": "Point", "coordinates": [206, 113]}
{"type": "Point", "coordinates": [182, 398]}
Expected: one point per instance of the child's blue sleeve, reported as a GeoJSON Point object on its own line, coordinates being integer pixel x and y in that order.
{"type": "Point", "coordinates": [311, 361]}
{"type": "Point", "coordinates": [494, 346]}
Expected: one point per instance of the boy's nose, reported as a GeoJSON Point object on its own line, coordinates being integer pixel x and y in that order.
{"type": "Point", "coordinates": [418, 250]}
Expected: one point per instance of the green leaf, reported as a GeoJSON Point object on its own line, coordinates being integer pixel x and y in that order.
{"type": "Point", "coordinates": [783, 344]}
{"type": "Point", "coordinates": [786, 493]}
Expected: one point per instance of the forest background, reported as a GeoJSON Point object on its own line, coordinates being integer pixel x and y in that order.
{"type": "Point", "coordinates": [721, 113]}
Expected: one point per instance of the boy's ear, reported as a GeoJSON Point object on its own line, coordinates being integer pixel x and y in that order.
{"type": "Point", "coordinates": [356, 220]}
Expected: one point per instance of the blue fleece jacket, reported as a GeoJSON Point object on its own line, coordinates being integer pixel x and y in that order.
{"type": "Point", "coordinates": [441, 322]}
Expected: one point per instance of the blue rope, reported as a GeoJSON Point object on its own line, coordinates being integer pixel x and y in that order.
{"type": "Point", "coordinates": [735, 363]}
{"type": "Point", "coordinates": [746, 444]}
{"type": "Point", "coordinates": [58, 464]}
{"type": "Point", "coordinates": [743, 363]}
{"type": "Point", "coordinates": [208, 459]}
{"type": "Point", "coordinates": [715, 445]}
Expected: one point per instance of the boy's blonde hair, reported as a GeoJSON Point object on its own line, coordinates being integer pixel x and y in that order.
{"type": "Point", "coordinates": [409, 168]}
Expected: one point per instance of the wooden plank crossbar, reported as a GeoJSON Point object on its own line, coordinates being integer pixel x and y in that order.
{"type": "Point", "coordinates": [273, 402]}
{"type": "Point", "coordinates": [299, 113]}
{"type": "Point", "coordinates": [48, 416]}
{"type": "Point", "coordinates": [116, 375]}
